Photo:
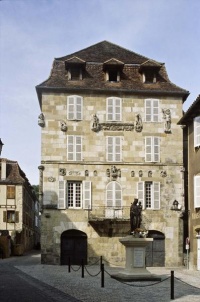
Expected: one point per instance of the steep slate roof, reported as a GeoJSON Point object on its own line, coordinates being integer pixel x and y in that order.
{"type": "Point", "coordinates": [14, 174]}
{"type": "Point", "coordinates": [95, 57]}
{"type": "Point", "coordinates": [191, 113]}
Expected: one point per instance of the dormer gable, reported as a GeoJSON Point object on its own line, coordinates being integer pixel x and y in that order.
{"type": "Point", "coordinates": [113, 68]}
{"type": "Point", "coordinates": [75, 67]}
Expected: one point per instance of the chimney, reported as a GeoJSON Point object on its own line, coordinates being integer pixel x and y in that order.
{"type": "Point", "coordinates": [3, 169]}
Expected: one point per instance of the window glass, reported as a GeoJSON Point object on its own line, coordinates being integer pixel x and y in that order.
{"type": "Point", "coordinates": [197, 191]}
{"type": "Point", "coordinates": [10, 192]}
{"type": "Point", "coordinates": [114, 149]}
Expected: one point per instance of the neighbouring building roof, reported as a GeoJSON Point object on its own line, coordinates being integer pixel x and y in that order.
{"type": "Point", "coordinates": [14, 174]}
{"type": "Point", "coordinates": [94, 59]}
{"type": "Point", "coordinates": [191, 113]}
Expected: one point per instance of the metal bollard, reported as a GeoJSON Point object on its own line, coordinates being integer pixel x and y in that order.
{"type": "Point", "coordinates": [69, 268]}
{"type": "Point", "coordinates": [172, 285]}
{"type": "Point", "coordinates": [102, 275]}
{"type": "Point", "coordinates": [101, 261]}
{"type": "Point", "coordinates": [82, 265]}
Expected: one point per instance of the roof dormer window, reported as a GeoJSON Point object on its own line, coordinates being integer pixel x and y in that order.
{"type": "Point", "coordinates": [113, 75]}
{"type": "Point", "coordinates": [149, 76]}
{"type": "Point", "coordinates": [75, 73]}
{"type": "Point", "coordinates": [149, 70]}
{"type": "Point", "coordinates": [75, 68]}
{"type": "Point", "coordinates": [113, 70]}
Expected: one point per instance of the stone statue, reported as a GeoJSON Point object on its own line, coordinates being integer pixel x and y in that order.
{"type": "Point", "coordinates": [135, 215]}
{"type": "Point", "coordinates": [63, 126]}
{"type": "Point", "coordinates": [167, 117]}
{"type": "Point", "coordinates": [95, 125]}
{"type": "Point", "coordinates": [138, 124]}
{"type": "Point", "coordinates": [41, 121]}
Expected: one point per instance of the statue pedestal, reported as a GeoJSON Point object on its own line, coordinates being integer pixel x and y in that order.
{"type": "Point", "coordinates": [135, 269]}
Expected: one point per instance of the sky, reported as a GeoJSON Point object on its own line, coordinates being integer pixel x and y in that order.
{"type": "Point", "coordinates": [34, 32]}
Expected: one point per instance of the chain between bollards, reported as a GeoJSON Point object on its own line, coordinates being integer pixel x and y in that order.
{"type": "Point", "coordinates": [172, 285]}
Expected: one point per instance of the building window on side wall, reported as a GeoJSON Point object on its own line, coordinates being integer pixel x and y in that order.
{"type": "Point", "coordinates": [197, 191]}
{"type": "Point", "coordinates": [11, 192]}
{"type": "Point", "coordinates": [152, 110]}
{"type": "Point", "coordinates": [114, 149]}
{"type": "Point", "coordinates": [149, 194]}
{"type": "Point", "coordinates": [74, 195]}
{"type": "Point", "coordinates": [11, 216]}
{"type": "Point", "coordinates": [152, 149]}
{"type": "Point", "coordinates": [74, 148]}
{"type": "Point", "coordinates": [113, 200]}
{"type": "Point", "coordinates": [74, 107]}
{"type": "Point", "coordinates": [197, 131]}
{"type": "Point", "coordinates": [114, 110]}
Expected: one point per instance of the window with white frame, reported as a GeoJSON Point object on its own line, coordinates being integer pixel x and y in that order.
{"type": "Point", "coordinates": [113, 200]}
{"type": "Point", "coordinates": [197, 191]}
{"type": "Point", "coordinates": [149, 194]}
{"type": "Point", "coordinates": [74, 107]}
{"type": "Point", "coordinates": [114, 148]}
{"type": "Point", "coordinates": [152, 110]}
{"type": "Point", "coordinates": [74, 195]}
{"type": "Point", "coordinates": [197, 131]}
{"type": "Point", "coordinates": [152, 149]}
{"type": "Point", "coordinates": [74, 148]}
{"type": "Point", "coordinates": [114, 110]}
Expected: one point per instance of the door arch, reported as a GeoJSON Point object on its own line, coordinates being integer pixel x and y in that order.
{"type": "Point", "coordinates": [73, 247]}
{"type": "Point", "coordinates": [155, 250]}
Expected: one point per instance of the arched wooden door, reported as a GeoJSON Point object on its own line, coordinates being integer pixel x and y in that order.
{"type": "Point", "coordinates": [73, 247]}
{"type": "Point", "coordinates": [155, 251]}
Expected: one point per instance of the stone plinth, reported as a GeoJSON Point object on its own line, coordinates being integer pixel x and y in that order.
{"type": "Point", "coordinates": [135, 269]}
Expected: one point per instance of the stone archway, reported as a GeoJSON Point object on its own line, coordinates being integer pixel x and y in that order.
{"type": "Point", "coordinates": [73, 247]}
{"type": "Point", "coordinates": [155, 251]}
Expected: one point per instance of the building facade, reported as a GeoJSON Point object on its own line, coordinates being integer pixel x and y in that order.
{"type": "Point", "coordinates": [191, 121]}
{"type": "Point", "coordinates": [109, 134]}
{"type": "Point", "coordinates": [19, 210]}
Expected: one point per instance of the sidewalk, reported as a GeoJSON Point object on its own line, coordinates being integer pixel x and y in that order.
{"type": "Point", "coordinates": [88, 289]}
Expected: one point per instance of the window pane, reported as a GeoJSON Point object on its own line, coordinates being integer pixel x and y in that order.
{"type": "Point", "coordinates": [10, 192]}
{"type": "Point", "coordinates": [148, 194]}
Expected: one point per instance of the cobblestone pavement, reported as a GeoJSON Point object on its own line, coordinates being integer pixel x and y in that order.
{"type": "Point", "coordinates": [88, 289]}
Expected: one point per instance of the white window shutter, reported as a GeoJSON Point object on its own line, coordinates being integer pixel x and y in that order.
{"type": "Point", "coordinates": [118, 194]}
{"type": "Point", "coordinates": [110, 105]}
{"type": "Point", "coordinates": [79, 108]}
{"type": "Point", "coordinates": [70, 147]}
{"type": "Point", "coordinates": [156, 196]}
{"type": "Point", "coordinates": [70, 107]}
{"type": "Point", "coordinates": [197, 191]}
{"type": "Point", "coordinates": [109, 195]}
{"type": "Point", "coordinates": [197, 131]}
{"type": "Point", "coordinates": [155, 110]}
{"type": "Point", "coordinates": [156, 149]}
{"type": "Point", "coordinates": [118, 109]}
{"type": "Point", "coordinates": [61, 195]}
{"type": "Point", "coordinates": [78, 148]}
{"type": "Point", "coordinates": [110, 143]}
{"type": "Point", "coordinates": [140, 193]}
{"type": "Point", "coordinates": [117, 150]}
{"type": "Point", "coordinates": [148, 149]}
{"type": "Point", "coordinates": [87, 195]}
{"type": "Point", "coordinates": [148, 110]}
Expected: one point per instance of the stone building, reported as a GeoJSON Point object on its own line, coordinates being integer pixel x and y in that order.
{"type": "Point", "coordinates": [191, 121]}
{"type": "Point", "coordinates": [109, 134]}
{"type": "Point", "coordinates": [19, 210]}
